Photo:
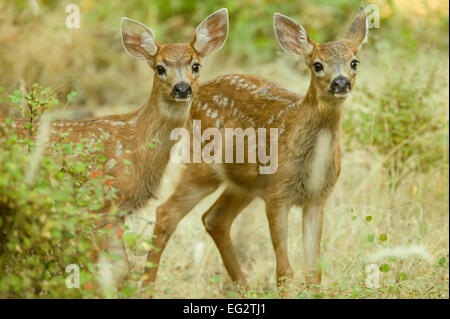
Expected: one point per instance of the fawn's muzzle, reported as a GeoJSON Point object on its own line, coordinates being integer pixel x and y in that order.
{"type": "Point", "coordinates": [339, 85]}
{"type": "Point", "coordinates": [181, 90]}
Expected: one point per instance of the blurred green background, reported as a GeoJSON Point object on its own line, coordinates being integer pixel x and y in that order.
{"type": "Point", "coordinates": [33, 35]}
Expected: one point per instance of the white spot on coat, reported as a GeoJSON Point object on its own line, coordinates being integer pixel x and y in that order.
{"type": "Point", "coordinates": [282, 128]}
{"type": "Point", "coordinates": [110, 164]}
{"type": "Point", "coordinates": [117, 123]}
{"type": "Point", "coordinates": [219, 122]}
{"type": "Point", "coordinates": [119, 149]}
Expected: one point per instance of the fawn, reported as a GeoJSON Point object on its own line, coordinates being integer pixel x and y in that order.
{"type": "Point", "coordinates": [175, 83]}
{"type": "Point", "coordinates": [308, 155]}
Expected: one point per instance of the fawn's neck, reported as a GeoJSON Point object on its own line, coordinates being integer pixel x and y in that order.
{"type": "Point", "coordinates": [159, 116]}
{"type": "Point", "coordinates": [322, 111]}
{"type": "Point", "coordinates": [316, 114]}
{"type": "Point", "coordinates": [155, 122]}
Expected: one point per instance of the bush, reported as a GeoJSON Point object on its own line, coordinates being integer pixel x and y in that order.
{"type": "Point", "coordinates": [46, 216]}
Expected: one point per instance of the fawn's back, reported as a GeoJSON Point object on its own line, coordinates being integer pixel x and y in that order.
{"type": "Point", "coordinates": [244, 101]}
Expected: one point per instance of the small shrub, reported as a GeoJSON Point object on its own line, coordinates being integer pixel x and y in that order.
{"type": "Point", "coordinates": [402, 124]}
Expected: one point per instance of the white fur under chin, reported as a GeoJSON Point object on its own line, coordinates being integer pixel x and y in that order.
{"type": "Point", "coordinates": [177, 109]}
{"type": "Point", "coordinates": [182, 100]}
{"type": "Point", "coordinates": [341, 95]}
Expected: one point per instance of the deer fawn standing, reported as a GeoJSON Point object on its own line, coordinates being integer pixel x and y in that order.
{"type": "Point", "coordinates": [175, 82]}
{"type": "Point", "coordinates": [308, 156]}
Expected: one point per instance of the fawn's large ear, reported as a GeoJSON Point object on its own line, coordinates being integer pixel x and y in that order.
{"type": "Point", "coordinates": [137, 39]}
{"type": "Point", "coordinates": [291, 36]}
{"type": "Point", "coordinates": [211, 33]}
{"type": "Point", "coordinates": [359, 29]}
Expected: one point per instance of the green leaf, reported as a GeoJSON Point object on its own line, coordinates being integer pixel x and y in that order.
{"type": "Point", "coordinates": [368, 218]}
{"type": "Point", "coordinates": [151, 145]}
{"type": "Point", "coordinates": [68, 234]}
{"type": "Point", "coordinates": [148, 243]}
{"type": "Point", "coordinates": [79, 167]}
{"type": "Point", "coordinates": [383, 237]}
{"type": "Point", "coordinates": [126, 162]}
{"type": "Point", "coordinates": [79, 147]}
{"type": "Point", "coordinates": [441, 262]}
{"type": "Point", "coordinates": [319, 295]}
{"type": "Point", "coordinates": [56, 234]}
{"type": "Point", "coordinates": [371, 238]}
{"type": "Point", "coordinates": [71, 95]}
{"type": "Point", "coordinates": [169, 291]}
{"type": "Point", "coordinates": [130, 239]}
{"type": "Point", "coordinates": [16, 97]}
{"type": "Point", "coordinates": [101, 158]}
{"type": "Point", "coordinates": [402, 276]}
{"type": "Point", "coordinates": [112, 257]}
{"type": "Point", "coordinates": [384, 268]}
{"type": "Point", "coordinates": [353, 217]}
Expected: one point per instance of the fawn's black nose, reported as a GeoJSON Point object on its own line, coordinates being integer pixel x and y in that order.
{"type": "Point", "coordinates": [340, 84]}
{"type": "Point", "coordinates": [181, 90]}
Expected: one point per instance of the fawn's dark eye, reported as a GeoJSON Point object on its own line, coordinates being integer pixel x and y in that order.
{"type": "Point", "coordinates": [318, 66]}
{"type": "Point", "coordinates": [354, 64]}
{"type": "Point", "coordinates": [195, 67]}
{"type": "Point", "coordinates": [160, 70]}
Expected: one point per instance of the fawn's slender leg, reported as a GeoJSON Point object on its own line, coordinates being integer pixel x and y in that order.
{"type": "Point", "coordinates": [186, 196]}
{"type": "Point", "coordinates": [218, 220]}
{"type": "Point", "coordinates": [277, 215]}
{"type": "Point", "coordinates": [312, 232]}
